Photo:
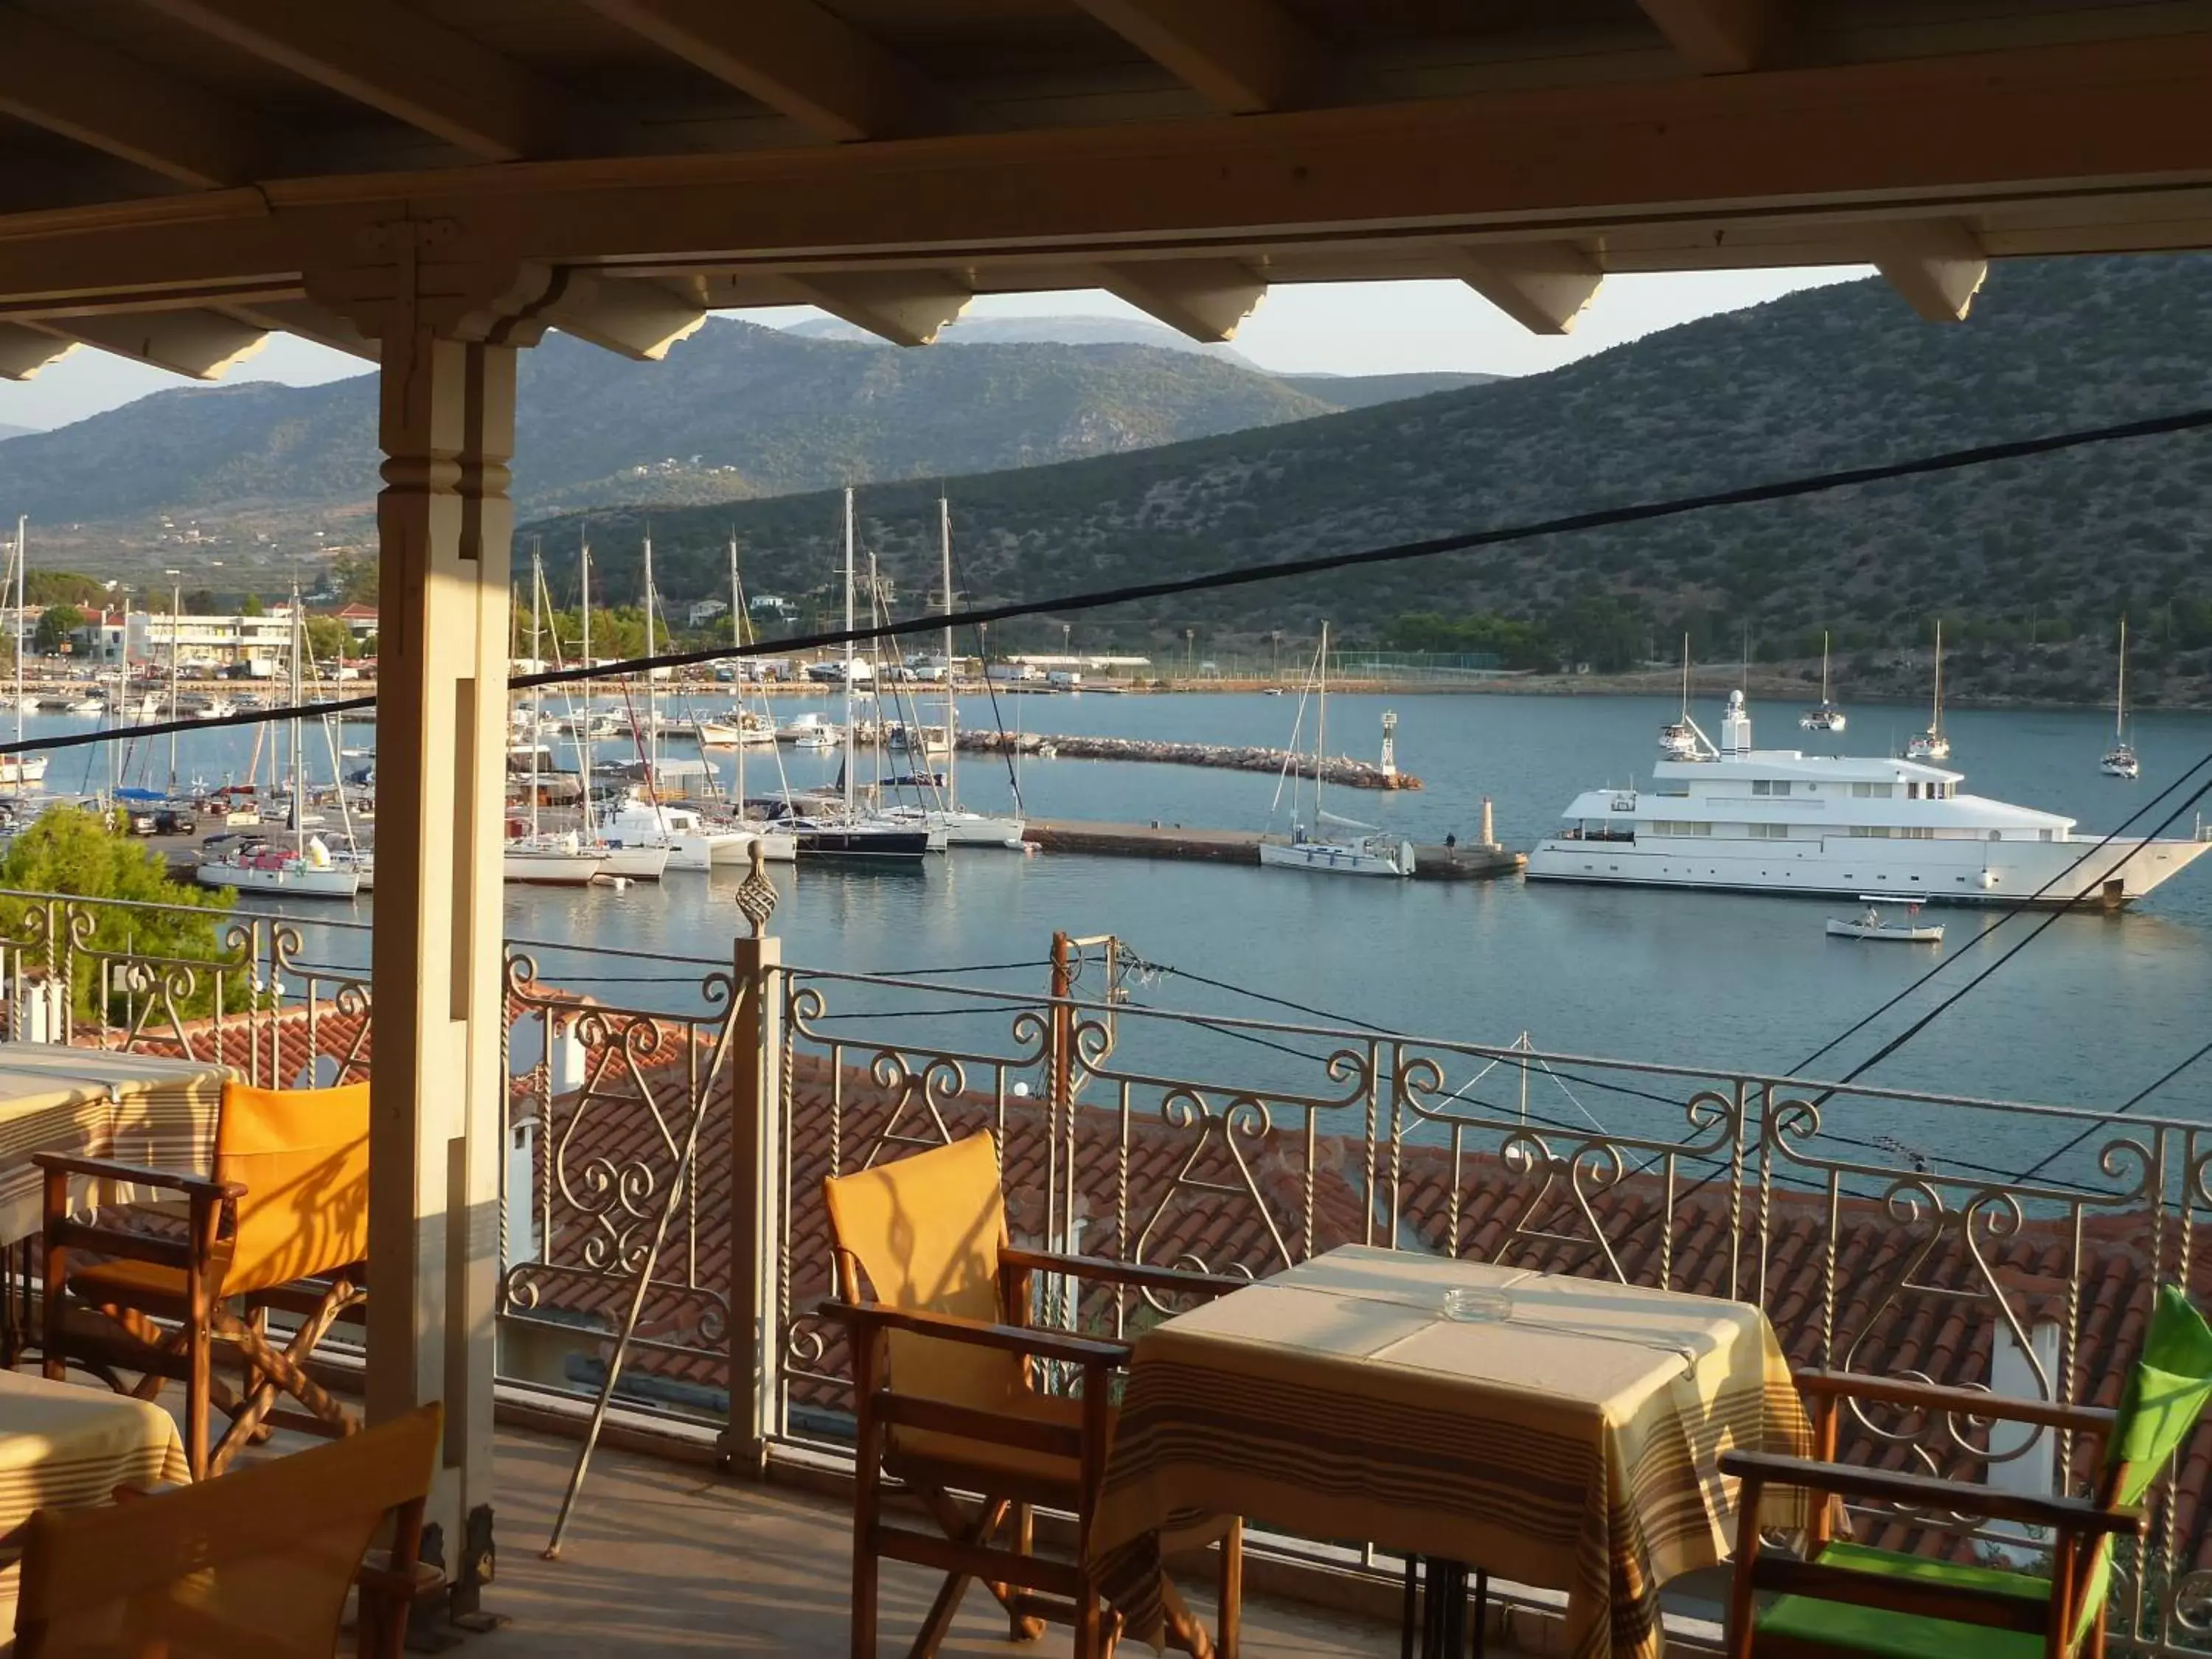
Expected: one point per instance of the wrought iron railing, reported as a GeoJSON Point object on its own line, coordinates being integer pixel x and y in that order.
{"type": "Point", "coordinates": [1968, 1241]}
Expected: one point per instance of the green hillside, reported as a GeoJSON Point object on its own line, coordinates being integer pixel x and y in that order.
{"type": "Point", "coordinates": [2030, 562]}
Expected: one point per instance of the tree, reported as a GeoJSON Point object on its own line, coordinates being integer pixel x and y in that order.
{"type": "Point", "coordinates": [354, 576]}
{"type": "Point", "coordinates": [329, 639]}
{"type": "Point", "coordinates": [62, 587]}
{"type": "Point", "coordinates": [55, 626]}
{"type": "Point", "coordinates": [68, 850]}
{"type": "Point", "coordinates": [252, 606]}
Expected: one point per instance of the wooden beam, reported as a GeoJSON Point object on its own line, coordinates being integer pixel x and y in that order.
{"type": "Point", "coordinates": [69, 85]}
{"type": "Point", "coordinates": [25, 351]}
{"type": "Point", "coordinates": [1937, 264]}
{"type": "Point", "coordinates": [1205, 299]}
{"type": "Point", "coordinates": [640, 319]}
{"type": "Point", "coordinates": [199, 343]}
{"type": "Point", "coordinates": [907, 307]}
{"type": "Point", "coordinates": [2112, 127]}
{"type": "Point", "coordinates": [1241, 56]}
{"type": "Point", "coordinates": [1543, 286]}
{"type": "Point", "coordinates": [798, 59]}
{"type": "Point", "coordinates": [1718, 37]}
{"type": "Point", "coordinates": [414, 70]}
{"type": "Point", "coordinates": [305, 320]}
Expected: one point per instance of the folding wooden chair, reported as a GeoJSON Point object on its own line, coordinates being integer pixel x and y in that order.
{"type": "Point", "coordinates": [1846, 1601]}
{"type": "Point", "coordinates": [945, 1386]}
{"type": "Point", "coordinates": [258, 1563]}
{"type": "Point", "coordinates": [281, 1226]}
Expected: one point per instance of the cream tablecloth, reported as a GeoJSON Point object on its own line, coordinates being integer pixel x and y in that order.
{"type": "Point", "coordinates": [93, 1102]}
{"type": "Point", "coordinates": [68, 1446]}
{"type": "Point", "coordinates": [1573, 1448]}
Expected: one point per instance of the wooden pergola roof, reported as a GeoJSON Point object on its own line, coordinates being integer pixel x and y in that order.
{"type": "Point", "coordinates": [172, 171]}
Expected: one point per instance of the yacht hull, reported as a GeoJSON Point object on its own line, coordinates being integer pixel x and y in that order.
{"type": "Point", "coordinates": [1329, 858]}
{"type": "Point", "coordinates": [2042, 874]}
{"type": "Point", "coordinates": [541, 869]}
{"type": "Point", "coordinates": [293, 881]}
{"type": "Point", "coordinates": [635, 863]}
{"type": "Point", "coordinates": [866, 846]}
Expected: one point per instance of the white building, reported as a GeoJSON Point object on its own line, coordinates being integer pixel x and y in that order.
{"type": "Point", "coordinates": [210, 643]}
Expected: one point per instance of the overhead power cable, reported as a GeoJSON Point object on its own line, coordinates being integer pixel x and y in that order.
{"type": "Point", "coordinates": [1246, 575]}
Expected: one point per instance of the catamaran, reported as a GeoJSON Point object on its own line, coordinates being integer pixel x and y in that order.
{"type": "Point", "coordinates": [2119, 761]}
{"type": "Point", "coordinates": [1932, 744]}
{"type": "Point", "coordinates": [1777, 821]}
{"type": "Point", "coordinates": [1827, 717]}
{"type": "Point", "coordinates": [1330, 845]}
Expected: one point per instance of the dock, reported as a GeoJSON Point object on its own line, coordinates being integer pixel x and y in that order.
{"type": "Point", "coordinates": [1465, 862]}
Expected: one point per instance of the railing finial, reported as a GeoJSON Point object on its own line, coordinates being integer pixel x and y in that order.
{"type": "Point", "coordinates": [757, 893]}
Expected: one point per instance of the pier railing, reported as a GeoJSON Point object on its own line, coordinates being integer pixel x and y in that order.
{"type": "Point", "coordinates": [670, 1122]}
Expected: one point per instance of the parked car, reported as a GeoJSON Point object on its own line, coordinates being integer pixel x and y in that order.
{"type": "Point", "coordinates": [140, 824]}
{"type": "Point", "coordinates": [175, 821]}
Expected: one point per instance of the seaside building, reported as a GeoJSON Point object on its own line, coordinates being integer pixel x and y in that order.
{"type": "Point", "coordinates": [432, 186]}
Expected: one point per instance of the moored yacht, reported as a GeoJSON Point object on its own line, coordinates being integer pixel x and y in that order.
{"type": "Point", "coordinates": [1932, 744]}
{"type": "Point", "coordinates": [2120, 761]}
{"type": "Point", "coordinates": [1775, 820]}
{"type": "Point", "coordinates": [1827, 717]}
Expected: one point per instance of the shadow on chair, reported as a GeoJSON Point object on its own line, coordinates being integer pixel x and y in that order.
{"type": "Point", "coordinates": [282, 1227]}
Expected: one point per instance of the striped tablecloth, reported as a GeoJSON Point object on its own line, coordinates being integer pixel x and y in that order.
{"type": "Point", "coordinates": [1573, 1447]}
{"type": "Point", "coordinates": [95, 1103]}
{"type": "Point", "coordinates": [68, 1446]}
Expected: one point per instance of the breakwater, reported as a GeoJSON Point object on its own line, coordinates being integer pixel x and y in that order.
{"type": "Point", "coordinates": [1228, 757]}
{"type": "Point", "coordinates": [1477, 862]}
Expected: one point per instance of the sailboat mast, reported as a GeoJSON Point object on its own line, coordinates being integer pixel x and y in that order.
{"type": "Point", "coordinates": [737, 639]}
{"type": "Point", "coordinates": [584, 735]}
{"type": "Point", "coordinates": [849, 757]}
{"type": "Point", "coordinates": [2120, 698]}
{"type": "Point", "coordinates": [176, 604]}
{"type": "Point", "coordinates": [1824, 668]}
{"type": "Point", "coordinates": [1937, 725]}
{"type": "Point", "coordinates": [299, 772]}
{"type": "Point", "coordinates": [1321, 722]}
{"type": "Point", "coordinates": [652, 692]}
{"type": "Point", "coordinates": [23, 558]}
{"type": "Point", "coordinates": [537, 695]}
{"type": "Point", "coordinates": [951, 714]}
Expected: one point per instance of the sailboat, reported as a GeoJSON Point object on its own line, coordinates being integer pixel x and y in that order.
{"type": "Point", "coordinates": [2119, 761]}
{"type": "Point", "coordinates": [1680, 739]}
{"type": "Point", "coordinates": [534, 857]}
{"type": "Point", "coordinates": [960, 828]}
{"type": "Point", "coordinates": [1327, 847]}
{"type": "Point", "coordinates": [1827, 717]}
{"type": "Point", "coordinates": [1932, 744]}
{"type": "Point", "coordinates": [305, 869]}
{"type": "Point", "coordinates": [20, 771]}
{"type": "Point", "coordinates": [845, 833]}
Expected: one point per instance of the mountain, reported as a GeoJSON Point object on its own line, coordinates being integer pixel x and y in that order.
{"type": "Point", "coordinates": [737, 410]}
{"type": "Point", "coordinates": [8, 432]}
{"type": "Point", "coordinates": [1336, 391]}
{"type": "Point", "coordinates": [2030, 561]}
{"type": "Point", "coordinates": [1366, 391]}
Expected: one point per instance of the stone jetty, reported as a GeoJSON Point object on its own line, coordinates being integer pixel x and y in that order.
{"type": "Point", "coordinates": [1338, 768]}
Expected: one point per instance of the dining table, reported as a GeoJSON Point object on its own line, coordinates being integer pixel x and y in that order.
{"type": "Point", "coordinates": [67, 1445]}
{"type": "Point", "coordinates": [1555, 1431]}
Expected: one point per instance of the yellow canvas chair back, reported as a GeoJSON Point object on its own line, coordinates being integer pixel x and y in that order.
{"type": "Point", "coordinates": [302, 1157]}
{"type": "Point", "coordinates": [257, 1563]}
{"type": "Point", "coordinates": [926, 1231]}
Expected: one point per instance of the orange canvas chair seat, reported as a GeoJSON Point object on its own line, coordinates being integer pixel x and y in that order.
{"type": "Point", "coordinates": [282, 1226]}
{"type": "Point", "coordinates": [260, 1562]}
{"type": "Point", "coordinates": [944, 1364]}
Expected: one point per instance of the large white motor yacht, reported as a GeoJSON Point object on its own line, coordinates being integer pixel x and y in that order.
{"type": "Point", "coordinates": [1775, 820]}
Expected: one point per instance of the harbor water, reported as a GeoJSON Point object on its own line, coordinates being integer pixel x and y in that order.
{"type": "Point", "coordinates": [2095, 1008]}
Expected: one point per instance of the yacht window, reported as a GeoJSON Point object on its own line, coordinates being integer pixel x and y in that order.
{"type": "Point", "coordinates": [1917, 832]}
{"type": "Point", "coordinates": [1871, 791]}
{"type": "Point", "coordinates": [1912, 791]}
{"type": "Point", "coordinates": [1871, 831]}
{"type": "Point", "coordinates": [2045, 834]}
{"type": "Point", "coordinates": [1762, 786]}
{"type": "Point", "coordinates": [1782, 785]}
{"type": "Point", "coordinates": [1769, 832]}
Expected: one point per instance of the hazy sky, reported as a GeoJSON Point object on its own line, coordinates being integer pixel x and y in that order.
{"type": "Point", "coordinates": [1351, 328]}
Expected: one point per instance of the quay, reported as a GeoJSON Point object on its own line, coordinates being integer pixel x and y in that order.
{"type": "Point", "coordinates": [1468, 861]}
{"type": "Point", "coordinates": [1231, 757]}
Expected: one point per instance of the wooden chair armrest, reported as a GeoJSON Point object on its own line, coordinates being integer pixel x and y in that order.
{"type": "Point", "coordinates": [1138, 1273]}
{"type": "Point", "coordinates": [2076, 1515]}
{"type": "Point", "coordinates": [138, 1174]}
{"type": "Point", "coordinates": [1931, 1396]}
{"type": "Point", "coordinates": [872, 1316]}
{"type": "Point", "coordinates": [121, 1241]}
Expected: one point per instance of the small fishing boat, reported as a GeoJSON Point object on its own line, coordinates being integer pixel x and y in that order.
{"type": "Point", "coordinates": [1875, 926]}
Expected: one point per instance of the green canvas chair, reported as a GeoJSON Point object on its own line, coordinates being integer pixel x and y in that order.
{"type": "Point", "coordinates": [1846, 1601]}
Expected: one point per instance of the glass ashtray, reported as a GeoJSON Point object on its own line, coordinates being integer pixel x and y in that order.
{"type": "Point", "coordinates": [1473, 1304]}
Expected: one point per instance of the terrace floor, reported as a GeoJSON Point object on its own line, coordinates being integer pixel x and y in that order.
{"type": "Point", "coordinates": [666, 1557]}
